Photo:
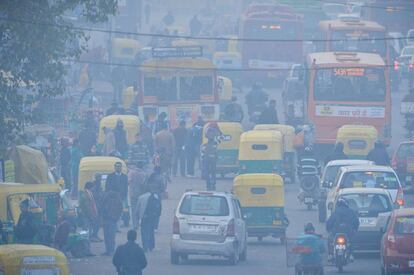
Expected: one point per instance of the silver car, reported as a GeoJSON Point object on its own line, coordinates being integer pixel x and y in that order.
{"type": "Point", "coordinates": [209, 223]}
{"type": "Point", "coordinates": [373, 207]}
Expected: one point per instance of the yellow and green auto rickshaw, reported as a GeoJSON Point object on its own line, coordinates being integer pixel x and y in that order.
{"type": "Point", "coordinates": [124, 50]}
{"type": "Point", "coordinates": [262, 200]}
{"type": "Point", "coordinates": [32, 259]}
{"type": "Point", "coordinates": [90, 166]}
{"type": "Point", "coordinates": [358, 140]}
{"type": "Point", "coordinates": [131, 126]}
{"type": "Point", "coordinates": [228, 149]}
{"type": "Point", "coordinates": [289, 158]}
{"type": "Point", "coordinates": [261, 152]}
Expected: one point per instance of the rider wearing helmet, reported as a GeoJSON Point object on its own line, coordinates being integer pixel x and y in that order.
{"type": "Point", "coordinates": [312, 248]}
{"type": "Point", "coordinates": [256, 98]}
{"type": "Point", "coordinates": [378, 154]}
{"type": "Point", "coordinates": [343, 220]}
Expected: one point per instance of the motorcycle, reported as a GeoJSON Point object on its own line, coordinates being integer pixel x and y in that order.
{"type": "Point", "coordinates": [341, 253]}
{"type": "Point", "coordinates": [255, 112]}
{"type": "Point", "coordinates": [308, 171]}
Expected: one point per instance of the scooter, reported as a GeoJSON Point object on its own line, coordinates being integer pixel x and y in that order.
{"type": "Point", "coordinates": [341, 252]}
{"type": "Point", "coordinates": [308, 171]}
{"type": "Point", "coordinates": [255, 112]}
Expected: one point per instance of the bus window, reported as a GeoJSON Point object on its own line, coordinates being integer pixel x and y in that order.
{"type": "Point", "coordinates": [195, 87]}
{"type": "Point", "coordinates": [358, 41]}
{"type": "Point", "coordinates": [349, 84]}
{"type": "Point", "coordinates": [164, 88]}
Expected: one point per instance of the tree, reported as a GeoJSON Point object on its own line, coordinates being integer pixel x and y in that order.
{"type": "Point", "coordinates": [36, 42]}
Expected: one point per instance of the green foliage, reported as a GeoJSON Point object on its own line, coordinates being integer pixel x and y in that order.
{"type": "Point", "coordinates": [36, 41]}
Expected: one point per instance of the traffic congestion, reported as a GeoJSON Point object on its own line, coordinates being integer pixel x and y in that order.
{"type": "Point", "coordinates": [209, 137]}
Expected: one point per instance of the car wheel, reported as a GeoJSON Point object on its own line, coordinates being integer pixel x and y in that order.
{"type": "Point", "coordinates": [243, 255]}
{"type": "Point", "coordinates": [175, 257]}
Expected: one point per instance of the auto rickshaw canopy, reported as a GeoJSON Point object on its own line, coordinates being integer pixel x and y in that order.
{"type": "Point", "coordinates": [231, 134]}
{"type": "Point", "coordinates": [255, 190]}
{"type": "Point", "coordinates": [261, 145]}
{"type": "Point", "coordinates": [23, 190]}
{"type": "Point", "coordinates": [131, 126]}
{"type": "Point", "coordinates": [15, 257]}
{"type": "Point", "coordinates": [287, 131]}
{"type": "Point", "coordinates": [125, 48]}
{"type": "Point", "coordinates": [358, 140]}
{"type": "Point", "coordinates": [89, 166]}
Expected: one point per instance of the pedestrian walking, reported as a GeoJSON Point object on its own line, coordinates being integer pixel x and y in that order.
{"type": "Point", "coordinates": [109, 142]}
{"type": "Point", "coordinates": [118, 182]}
{"type": "Point", "coordinates": [121, 144]}
{"type": "Point", "coordinates": [146, 130]}
{"type": "Point", "coordinates": [149, 212]}
{"type": "Point", "coordinates": [209, 160]}
{"type": "Point", "coordinates": [180, 135]}
{"type": "Point", "coordinates": [138, 152]}
{"type": "Point", "coordinates": [191, 149]}
{"type": "Point", "coordinates": [98, 195]}
{"type": "Point", "coordinates": [137, 178]}
{"type": "Point", "coordinates": [87, 138]}
{"type": "Point", "coordinates": [87, 208]}
{"type": "Point", "coordinates": [168, 19]}
{"type": "Point", "coordinates": [111, 213]}
{"type": "Point", "coordinates": [65, 163]}
{"type": "Point", "coordinates": [195, 26]}
{"type": "Point", "coordinates": [164, 145]}
{"type": "Point", "coordinates": [129, 258]}
{"type": "Point", "coordinates": [76, 155]}
{"type": "Point", "coordinates": [269, 115]}
{"type": "Point", "coordinates": [161, 123]}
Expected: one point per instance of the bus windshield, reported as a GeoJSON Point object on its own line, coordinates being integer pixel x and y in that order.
{"type": "Point", "coordinates": [183, 88]}
{"type": "Point", "coordinates": [271, 30]}
{"type": "Point", "coordinates": [349, 84]}
{"type": "Point", "coordinates": [359, 41]}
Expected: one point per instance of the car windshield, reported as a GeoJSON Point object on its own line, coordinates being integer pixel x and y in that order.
{"type": "Point", "coordinates": [368, 205]}
{"type": "Point", "coordinates": [350, 84]}
{"type": "Point", "coordinates": [203, 205]}
{"type": "Point", "coordinates": [408, 51]}
{"type": "Point", "coordinates": [370, 179]}
{"type": "Point", "coordinates": [330, 173]}
{"type": "Point", "coordinates": [404, 225]}
{"type": "Point", "coordinates": [406, 150]}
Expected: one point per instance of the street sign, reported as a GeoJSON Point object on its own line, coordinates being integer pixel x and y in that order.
{"type": "Point", "coordinates": [185, 51]}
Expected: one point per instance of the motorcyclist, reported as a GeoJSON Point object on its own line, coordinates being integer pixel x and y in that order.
{"type": "Point", "coordinates": [256, 97]}
{"type": "Point", "coordinates": [209, 156]}
{"type": "Point", "coordinates": [312, 249]}
{"type": "Point", "coordinates": [233, 111]}
{"type": "Point", "coordinates": [343, 220]}
{"type": "Point", "coordinates": [378, 154]}
{"type": "Point", "coordinates": [307, 158]}
{"type": "Point", "coordinates": [337, 154]}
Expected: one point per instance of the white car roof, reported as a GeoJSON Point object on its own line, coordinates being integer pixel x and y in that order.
{"type": "Point", "coordinates": [362, 168]}
{"type": "Point", "coordinates": [358, 190]}
{"type": "Point", "coordinates": [210, 193]}
{"type": "Point", "coordinates": [348, 162]}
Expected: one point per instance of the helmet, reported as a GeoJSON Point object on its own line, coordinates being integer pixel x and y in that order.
{"type": "Point", "coordinates": [309, 227]}
{"type": "Point", "coordinates": [342, 202]}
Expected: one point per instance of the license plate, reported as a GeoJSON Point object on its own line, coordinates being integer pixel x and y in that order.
{"type": "Point", "coordinates": [308, 200]}
{"type": "Point", "coordinates": [411, 263]}
{"type": "Point", "coordinates": [277, 222]}
{"type": "Point", "coordinates": [202, 228]}
{"type": "Point", "coordinates": [368, 221]}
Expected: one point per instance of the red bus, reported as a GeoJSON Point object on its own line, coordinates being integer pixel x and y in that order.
{"type": "Point", "coordinates": [273, 22]}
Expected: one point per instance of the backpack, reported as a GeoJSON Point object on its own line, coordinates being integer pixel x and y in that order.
{"type": "Point", "coordinates": [153, 209]}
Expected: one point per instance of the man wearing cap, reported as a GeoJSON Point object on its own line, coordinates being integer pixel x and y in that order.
{"type": "Point", "coordinates": [25, 228]}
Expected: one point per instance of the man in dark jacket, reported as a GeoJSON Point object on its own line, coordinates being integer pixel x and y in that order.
{"type": "Point", "coordinates": [25, 228]}
{"type": "Point", "coordinates": [337, 154]}
{"type": "Point", "coordinates": [129, 258]}
{"type": "Point", "coordinates": [121, 144]}
{"type": "Point", "coordinates": [118, 182]}
{"type": "Point", "coordinates": [111, 213]}
{"type": "Point", "coordinates": [379, 155]}
{"type": "Point", "coordinates": [269, 115]}
{"type": "Point", "coordinates": [195, 26]}
{"type": "Point", "coordinates": [209, 160]}
{"type": "Point", "coordinates": [343, 220]}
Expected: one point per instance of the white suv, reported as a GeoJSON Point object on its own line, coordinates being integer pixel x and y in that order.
{"type": "Point", "coordinates": [209, 223]}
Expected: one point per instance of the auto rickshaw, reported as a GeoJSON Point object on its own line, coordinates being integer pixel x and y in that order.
{"type": "Point", "coordinates": [225, 89]}
{"type": "Point", "coordinates": [261, 152]}
{"type": "Point", "coordinates": [262, 202]}
{"type": "Point", "coordinates": [89, 166]}
{"type": "Point", "coordinates": [358, 140]}
{"type": "Point", "coordinates": [48, 206]}
{"type": "Point", "coordinates": [289, 158]}
{"type": "Point", "coordinates": [131, 126]}
{"type": "Point", "coordinates": [32, 259]}
{"type": "Point", "coordinates": [228, 149]}
{"type": "Point", "coordinates": [125, 49]}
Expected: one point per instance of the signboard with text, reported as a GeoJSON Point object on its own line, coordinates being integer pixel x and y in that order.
{"type": "Point", "coordinates": [327, 110]}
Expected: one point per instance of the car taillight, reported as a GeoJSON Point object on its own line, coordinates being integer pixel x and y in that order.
{"type": "Point", "coordinates": [396, 65]}
{"type": "Point", "coordinates": [391, 242]}
{"type": "Point", "coordinates": [231, 228]}
{"type": "Point", "coordinates": [400, 197]}
{"type": "Point", "coordinates": [176, 226]}
{"type": "Point", "coordinates": [411, 66]}
{"type": "Point", "coordinates": [340, 240]}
